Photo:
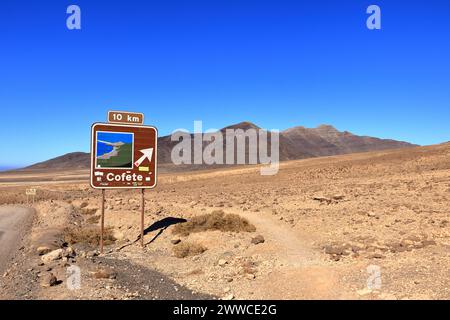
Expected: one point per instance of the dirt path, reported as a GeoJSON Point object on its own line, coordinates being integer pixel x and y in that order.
{"type": "Point", "coordinates": [288, 246]}
{"type": "Point", "coordinates": [302, 271]}
{"type": "Point", "coordinates": [305, 273]}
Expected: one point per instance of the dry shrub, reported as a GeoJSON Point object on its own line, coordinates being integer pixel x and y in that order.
{"type": "Point", "coordinates": [84, 205]}
{"type": "Point", "coordinates": [93, 219]}
{"type": "Point", "coordinates": [89, 211]}
{"type": "Point", "coordinates": [88, 235]}
{"type": "Point", "coordinates": [217, 220]}
{"type": "Point", "coordinates": [188, 249]}
{"type": "Point", "coordinates": [18, 196]}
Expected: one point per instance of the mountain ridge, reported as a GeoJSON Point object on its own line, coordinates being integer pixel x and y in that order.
{"type": "Point", "coordinates": [295, 143]}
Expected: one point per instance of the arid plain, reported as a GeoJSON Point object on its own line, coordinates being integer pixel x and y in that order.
{"type": "Point", "coordinates": [309, 232]}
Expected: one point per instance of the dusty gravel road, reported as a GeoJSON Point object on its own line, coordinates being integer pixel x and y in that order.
{"type": "Point", "coordinates": [14, 222]}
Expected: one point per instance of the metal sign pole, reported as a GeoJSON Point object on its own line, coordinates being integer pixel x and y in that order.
{"type": "Point", "coordinates": [102, 221]}
{"type": "Point", "coordinates": [142, 217]}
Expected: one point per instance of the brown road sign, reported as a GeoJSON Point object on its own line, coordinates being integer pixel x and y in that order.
{"type": "Point", "coordinates": [123, 156]}
{"type": "Point", "coordinates": [125, 117]}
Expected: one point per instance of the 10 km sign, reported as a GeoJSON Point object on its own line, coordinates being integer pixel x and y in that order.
{"type": "Point", "coordinates": [123, 156]}
{"type": "Point", "coordinates": [125, 117]}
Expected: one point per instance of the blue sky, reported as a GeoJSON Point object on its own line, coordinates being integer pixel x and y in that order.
{"type": "Point", "coordinates": [275, 63]}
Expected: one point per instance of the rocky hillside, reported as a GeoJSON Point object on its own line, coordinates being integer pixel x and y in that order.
{"type": "Point", "coordinates": [295, 143]}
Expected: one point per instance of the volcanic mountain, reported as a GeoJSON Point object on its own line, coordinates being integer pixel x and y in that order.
{"type": "Point", "coordinates": [295, 143]}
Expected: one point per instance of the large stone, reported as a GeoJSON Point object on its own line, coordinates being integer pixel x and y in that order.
{"type": "Point", "coordinates": [52, 256]}
{"type": "Point", "coordinates": [258, 239]}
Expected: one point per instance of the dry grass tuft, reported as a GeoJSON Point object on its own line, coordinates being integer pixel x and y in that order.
{"type": "Point", "coordinates": [88, 235]}
{"type": "Point", "coordinates": [84, 205]}
{"type": "Point", "coordinates": [217, 220]}
{"type": "Point", "coordinates": [188, 249]}
{"type": "Point", "coordinates": [89, 211]}
{"type": "Point", "coordinates": [93, 219]}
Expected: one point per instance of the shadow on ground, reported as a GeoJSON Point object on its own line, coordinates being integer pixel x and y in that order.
{"type": "Point", "coordinates": [162, 225]}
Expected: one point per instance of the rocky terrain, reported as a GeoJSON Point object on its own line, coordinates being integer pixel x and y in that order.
{"type": "Point", "coordinates": [309, 232]}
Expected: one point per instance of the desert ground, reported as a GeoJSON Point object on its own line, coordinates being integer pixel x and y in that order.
{"type": "Point", "coordinates": [309, 232]}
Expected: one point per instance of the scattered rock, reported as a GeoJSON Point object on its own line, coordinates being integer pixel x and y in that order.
{"type": "Point", "coordinates": [69, 252]}
{"type": "Point", "coordinates": [52, 256]}
{"type": "Point", "coordinates": [48, 280]}
{"type": "Point", "coordinates": [258, 239]}
{"type": "Point", "coordinates": [43, 250]}
{"type": "Point", "coordinates": [334, 250]}
{"type": "Point", "coordinates": [175, 240]}
{"type": "Point", "coordinates": [222, 262]}
{"type": "Point", "coordinates": [364, 291]}
{"type": "Point", "coordinates": [91, 254]}
{"type": "Point", "coordinates": [228, 297]}
{"type": "Point", "coordinates": [250, 276]}
{"type": "Point", "coordinates": [376, 255]}
{"type": "Point", "coordinates": [407, 242]}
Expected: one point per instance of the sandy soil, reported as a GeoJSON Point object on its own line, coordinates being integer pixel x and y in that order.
{"type": "Point", "coordinates": [324, 222]}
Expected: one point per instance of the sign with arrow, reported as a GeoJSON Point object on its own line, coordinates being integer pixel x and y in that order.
{"type": "Point", "coordinates": [123, 156]}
